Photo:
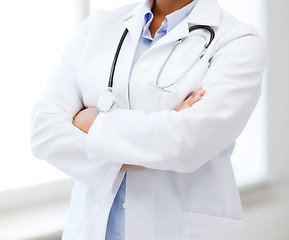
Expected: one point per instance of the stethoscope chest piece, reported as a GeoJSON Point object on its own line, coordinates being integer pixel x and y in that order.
{"type": "Point", "coordinates": [106, 101]}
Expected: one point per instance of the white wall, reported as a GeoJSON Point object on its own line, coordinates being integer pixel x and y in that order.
{"type": "Point", "coordinates": [267, 215]}
{"type": "Point", "coordinates": [267, 212]}
{"type": "Point", "coordinates": [278, 86]}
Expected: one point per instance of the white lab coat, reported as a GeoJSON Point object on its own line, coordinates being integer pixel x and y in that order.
{"type": "Point", "coordinates": [187, 189]}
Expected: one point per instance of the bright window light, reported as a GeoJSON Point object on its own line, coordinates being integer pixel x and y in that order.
{"type": "Point", "coordinates": [249, 158]}
{"type": "Point", "coordinates": [34, 34]}
{"type": "Point", "coordinates": [109, 4]}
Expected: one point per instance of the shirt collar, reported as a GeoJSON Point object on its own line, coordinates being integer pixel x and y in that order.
{"type": "Point", "coordinates": [171, 20]}
{"type": "Point", "coordinates": [206, 12]}
{"type": "Point", "coordinates": [176, 17]}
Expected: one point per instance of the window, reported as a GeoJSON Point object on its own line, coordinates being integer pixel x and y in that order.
{"type": "Point", "coordinates": [249, 158]}
{"type": "Point", "coordinates": [35, 34]}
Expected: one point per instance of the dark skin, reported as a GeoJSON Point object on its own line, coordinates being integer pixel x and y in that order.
{"type": "Point", "coordinates": [161, 8]}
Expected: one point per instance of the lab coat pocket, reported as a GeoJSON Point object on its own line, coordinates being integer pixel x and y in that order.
{"type": "Point", "coordinates": [75, 217]}
{"type": "Point", "coordinates": [206, 227]}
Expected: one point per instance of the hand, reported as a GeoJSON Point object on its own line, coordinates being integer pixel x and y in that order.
{"type": "Point", "coordinates": [84, 119]}
{"type": "Point", "coordinates": [131, 166]}
{"type": "Point", "coordinates": [194, 97]}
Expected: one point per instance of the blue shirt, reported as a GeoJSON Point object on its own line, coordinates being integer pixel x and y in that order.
{"type": "Point", "coordinates": [116, 221]}
{"type": "Point", "coordinates": [146, 41]}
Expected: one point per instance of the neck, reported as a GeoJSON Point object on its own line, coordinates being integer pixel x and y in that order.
{"type": "Point", "coordinates": [162, 8]}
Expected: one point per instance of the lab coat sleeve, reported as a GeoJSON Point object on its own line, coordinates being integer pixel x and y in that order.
{"type": "Point", "coordinates": [54, 137]}
{"type": "Point", "coordinates": [183, 141]}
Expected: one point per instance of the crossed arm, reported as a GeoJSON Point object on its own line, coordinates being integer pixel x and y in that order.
{"type": "Point", "coordinates": [84, 119]}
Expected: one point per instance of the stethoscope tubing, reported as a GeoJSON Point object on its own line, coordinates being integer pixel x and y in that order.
{"type": "Point", "coordinates": [208, 28]}
{"type": "Point", "coordinates": [113, 66]}
{"type": "Point", "coordinates": [192, 28]}
{"type": "Point", "coordinates": [111, 77]}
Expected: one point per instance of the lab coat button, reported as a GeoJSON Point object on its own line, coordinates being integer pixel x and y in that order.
{"type": "Point", "coordinates": [123, 205]}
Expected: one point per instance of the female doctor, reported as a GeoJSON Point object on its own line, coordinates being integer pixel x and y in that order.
{"type": "Point", "coordinates": [151, 163]}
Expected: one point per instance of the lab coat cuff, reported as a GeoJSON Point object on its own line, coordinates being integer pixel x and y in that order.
{"type": "Point", "coordinates": [114, 178]}
{"type": "Point", "coordinates": [112, 172]}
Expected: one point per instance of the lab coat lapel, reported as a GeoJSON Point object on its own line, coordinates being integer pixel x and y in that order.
{"type": "Point", "coordinates": [133, 22]}
{"type": "Point", "coordinates": [206, 12]}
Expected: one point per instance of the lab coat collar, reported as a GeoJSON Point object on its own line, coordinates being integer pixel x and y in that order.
{"type": "Point", "coordinates": [206, 12]}
{"type": "Point", "coordinates": [133, 21]}
{"type": "Point", "coordinates": [138, 9]}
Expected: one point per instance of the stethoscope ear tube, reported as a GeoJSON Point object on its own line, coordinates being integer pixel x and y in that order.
{"type": "Point", "coordinates": [192, 28]}
{"type": "Point", "coordinates": [106, 100]}
{"type": "Point", "coordinates": [208, 28]}
{"type": "Point", "coordinates": [110, 82]}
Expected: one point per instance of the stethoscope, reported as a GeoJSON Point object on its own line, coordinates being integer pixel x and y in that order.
{"type": "Point", "coordinates": [106, 100]}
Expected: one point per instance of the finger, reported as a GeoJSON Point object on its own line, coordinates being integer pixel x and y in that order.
{"type": "Point", "coordinates": [188, 103]}
{"type": "Point", "coordinates": [131, 166]}
{"type": "Point", "coordinates": [194, 97]}
{"type": "Point", "coordinates": [191, 101]}
{"type": "Point", "coordinates": [198, 92]}
{"type": "Point", "coordinates": [201, 92]}
{"type": "Point", "coordinates": [181, 106]}
{"type": "Point", "coordinates": [194, 100]}
{"type": "Point", "coordinates": [194, 93]}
